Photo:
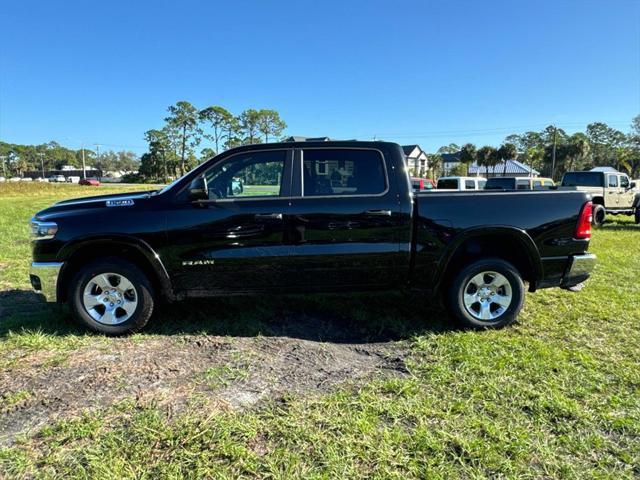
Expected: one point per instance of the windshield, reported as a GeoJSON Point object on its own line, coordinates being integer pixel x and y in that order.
{"type": "Point", "coordinates": [166, 188]}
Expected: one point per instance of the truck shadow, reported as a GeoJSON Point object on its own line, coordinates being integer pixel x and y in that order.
{"type": "Point", "coordinates": [336, 318]}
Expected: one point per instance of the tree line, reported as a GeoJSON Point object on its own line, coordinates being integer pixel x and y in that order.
{"type": "Point", "coordinates": [18, 159]}
{"type": "Point", "coordinates": [172, 148]}
{"type": "Point", "coordinates": [552, 151]}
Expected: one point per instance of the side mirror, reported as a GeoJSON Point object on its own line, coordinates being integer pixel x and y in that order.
{"type": "Point", "coordinates": [198, 190]}
{"type": "Point", "coordinates": [632, 185]}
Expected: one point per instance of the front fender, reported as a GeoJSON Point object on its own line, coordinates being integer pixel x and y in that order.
{"type": "Point", "coordinates": [105, 244]}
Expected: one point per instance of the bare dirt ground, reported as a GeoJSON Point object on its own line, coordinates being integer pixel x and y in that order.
{"type": "Point", "coordinates": [232, 372]}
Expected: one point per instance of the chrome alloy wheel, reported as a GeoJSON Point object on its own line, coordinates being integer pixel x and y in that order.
{"type": "Point", "coordinates": [487, 295]}
{"type": "Point", "coordinates": [110, 298]}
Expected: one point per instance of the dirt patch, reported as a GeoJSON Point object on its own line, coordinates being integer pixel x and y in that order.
{"type": "Point", "coordinates": [234, 372]}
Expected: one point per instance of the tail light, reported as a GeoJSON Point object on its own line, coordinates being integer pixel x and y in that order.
{"type": "Point", "coordinates": [583, 229]}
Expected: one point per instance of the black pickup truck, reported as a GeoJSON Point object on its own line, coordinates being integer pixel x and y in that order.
{"type": "Point", "coordinates": [307, 217]}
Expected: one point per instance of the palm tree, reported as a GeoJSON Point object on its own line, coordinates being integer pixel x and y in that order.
{"type": "Point", "coordinates": [507, 151]}
{"type": "Point", "coordinates": [468, 155]}
{"type": "Point", "coordinates": [486, 157]}
{"type": "Point", "coordinates": [578, 148]}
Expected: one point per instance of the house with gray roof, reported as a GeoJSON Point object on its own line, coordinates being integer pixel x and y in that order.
{"type": "Point", "coordinates": [514, 168]}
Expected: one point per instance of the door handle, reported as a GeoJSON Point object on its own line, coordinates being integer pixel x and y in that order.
{"type": "Point", "coordinates": [268, 216]}
{"type": "Point", "coordinates": [384, 213]}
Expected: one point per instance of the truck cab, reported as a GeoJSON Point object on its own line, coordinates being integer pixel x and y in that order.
{"type": "Point", "coordinates": [613, 193]}
{"type": "Point", "coordinates": [461, 183]}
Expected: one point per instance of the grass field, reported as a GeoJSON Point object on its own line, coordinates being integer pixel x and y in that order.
{"type": "Point", "coordinates": [366, 386]}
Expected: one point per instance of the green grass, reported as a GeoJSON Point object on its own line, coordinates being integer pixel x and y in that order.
{"type": "Point", "coordinates": [555, 396]}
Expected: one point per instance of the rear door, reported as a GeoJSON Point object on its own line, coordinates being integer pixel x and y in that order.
{"type": "Point", "coordinates": [346, 220]}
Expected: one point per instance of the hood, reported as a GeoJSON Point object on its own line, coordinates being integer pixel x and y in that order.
{"type": "Point", "coordinates": [74, 205]}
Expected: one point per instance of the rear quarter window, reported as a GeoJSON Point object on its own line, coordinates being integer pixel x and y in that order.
{"type": "Point", "coordinates": [582, 179]}
{"type": "Point", "coordinates": [448, 183]}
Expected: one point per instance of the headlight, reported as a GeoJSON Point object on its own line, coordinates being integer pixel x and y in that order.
{"type": "Point", "coordinates": [43, 230]}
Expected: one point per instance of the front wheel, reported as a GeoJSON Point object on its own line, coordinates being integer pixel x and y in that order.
{"type": "Point", "coordinates": [487, 294]}
{"type": "Point", "coordinates": [111, 296]}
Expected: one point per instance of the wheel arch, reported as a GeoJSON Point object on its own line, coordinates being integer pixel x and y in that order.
{"type": "Point", "coordinates": [507, 243]}
{"type": "Point", "coordinates": [77, 253]}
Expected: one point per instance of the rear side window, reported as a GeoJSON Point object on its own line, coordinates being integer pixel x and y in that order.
{"type": "Point", "coordinates": [582, 179]}
{"type": "Point", "coordinates": [498, 183]}
{"type": "Point", "coordinates": [613, 180]}
{"type": "Point", "coordinates": [448, 183]}
{"type": "Point", "coordinates": [482, 184]}
{"type": "Point", "coordinates": [537, 185]}
{"type": "Point", "coordinates": [523, 185]}
{"type": "Point", "coordinates": [334, 171]}
{"type": "Point", "coordinates": [469, 185]}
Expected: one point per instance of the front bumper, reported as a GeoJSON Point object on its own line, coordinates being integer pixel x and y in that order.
{"type": "Point", "coordinates": [44, 279]}
{"type": "Point", "coordinates": [579, 269]}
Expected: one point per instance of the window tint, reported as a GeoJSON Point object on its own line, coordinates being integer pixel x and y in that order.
{"type": "Point", "coordinates": [498, 183]}
{"type": "Point", "coordinates": [469, 185]}
{"type": "Point", "coordinates": [582, 179]}
{"type": "Point", "coordinates": [624, 181]}
{"type": "Point", "coordinates": [253, 174]}
{"type": "Point", "coordinates": [342, 172]}
{"type": "Point", "coordinates": [613, 180]}
{"type": "Point", "coordinates": [448, 183]}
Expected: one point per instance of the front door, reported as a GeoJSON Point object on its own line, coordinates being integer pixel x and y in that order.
{"type": "Point", "coordinates": [627, 194]}
{"type": "Point", "coordinates": [612, 192]}
{"type": "Point", "coordinates": [346, 223]}
{"type": "Point", "coordinates": [237, 239]}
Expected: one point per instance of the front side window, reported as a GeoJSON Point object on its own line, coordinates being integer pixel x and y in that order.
{"type": "Point", "coordinates": [334, 171]}
{"type": "Point", "coordinates": [469, 185]}
{"type": "Point", "coordinates": [613, 180]}
{"type": "Point", "coordinates": [624, 181]}
{"type": "Point", "coordinates": [247, 175]}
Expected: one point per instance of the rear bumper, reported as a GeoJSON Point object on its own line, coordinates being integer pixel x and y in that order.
{"type": "Point", "coordinates": [579, 269]}
{"type": "Point", "coordinates": [567, 271]}
{"type": "Point", "coordinates": [44, 279]}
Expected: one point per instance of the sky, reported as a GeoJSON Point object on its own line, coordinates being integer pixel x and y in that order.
{"type": "Point", "coordinates": [426, 72]}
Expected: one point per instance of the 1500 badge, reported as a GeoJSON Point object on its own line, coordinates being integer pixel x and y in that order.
{"type": "Point", "coordinates": [191, 263]}
{"type": "Point", "coordinates": [125, 202]}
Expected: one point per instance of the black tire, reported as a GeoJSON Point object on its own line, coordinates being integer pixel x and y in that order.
{"type": "Point", "coordinates": [143, 294]}
{"type": "Point", "coordinates": [637, 215]}
{"type": "Point", "coordinates": [599, 215]}
{"type": "Point", "coordinates": [456, 293]}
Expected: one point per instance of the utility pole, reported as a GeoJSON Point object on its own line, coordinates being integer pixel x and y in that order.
{"type": "Point", "coordinates": [553, 154]}
{"type": "Point", "coordinates": [84, 167]}
{"type": "Point", "coordinates": [41, 155]}
{"type": "Point", "coordinates": [97, 154]}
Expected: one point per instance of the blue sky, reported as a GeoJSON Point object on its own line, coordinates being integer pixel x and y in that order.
{"type": "Point", "coordinates": [428, 72]}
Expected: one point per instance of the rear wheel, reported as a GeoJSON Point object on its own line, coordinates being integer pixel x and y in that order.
{"type": "Point", "coordinates": [487, 294]}
{"type": "Point", "coordinates": [111, 296]}
{"type": "Point", "coordinates": [637, 215]}
{"type": "Point", "coordinates": [599, 215]}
